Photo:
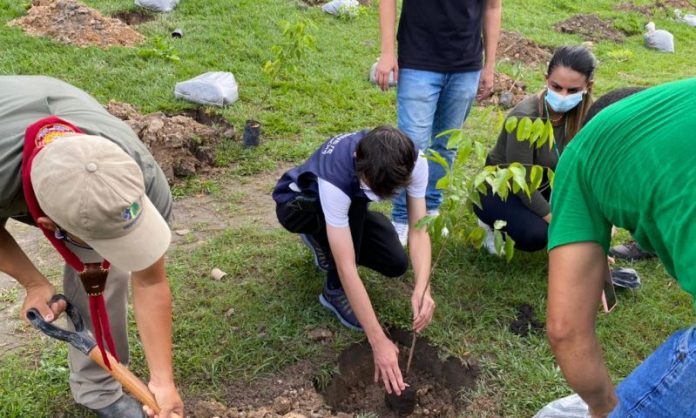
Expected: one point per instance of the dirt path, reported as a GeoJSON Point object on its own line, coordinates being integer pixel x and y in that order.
{"type": "Point", "coordinates": [240, 201]}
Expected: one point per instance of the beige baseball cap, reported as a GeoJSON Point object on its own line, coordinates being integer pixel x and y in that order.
{"type": "Point", "coordinates": [92, 189]}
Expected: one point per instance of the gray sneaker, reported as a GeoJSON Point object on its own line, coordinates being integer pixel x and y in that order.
{"type": "Point", "coordinates": [630, 251]}
{"type": "Point", "coordinates": [124, 407]}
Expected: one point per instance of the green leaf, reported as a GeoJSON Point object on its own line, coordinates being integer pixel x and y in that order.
{"type": "Point", "coordinates": [511, 124]}
{"type": "Point", "coordinates": [524, 129]}
{"type": "Point", "coordinates": [444, 182]}
{"type": "Point", "coordinates": [536, 176]}
{"type": "Point", "coordinates": [475, 198]}
{"type": "Point", "coordinates": [481, 151]}
{"type": "Point", "coordinates": [498, 241]}
{"type": "Point", "coordinates": [551, 174]}
{"type": "Point", "coordinates": [425, 221]}
{"type": "Point", "coordinates": [519, 177]}
{"type": "Point", "coordinates": [549, 129]}
{"type": "Point", "coordinates": [455, 139]}
{"type": "Point", "coordinates": [476, 236]}
{"type": "Point", "coordinates": [500, 121]}
{"type": "Point", "coordinates": [463, 154]}
{"type": "Point", "coordinates": [509, 247]}
{"type": "Point", "coordinates": [537, 130]}
{"type": "Point", "coordinates": [436, 157]}
{"type": "Point", "coordinates": [500, 184]}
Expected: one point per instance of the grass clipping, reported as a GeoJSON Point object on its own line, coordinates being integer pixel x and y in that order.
{"type": "Point", "coordinates": [71, 22]}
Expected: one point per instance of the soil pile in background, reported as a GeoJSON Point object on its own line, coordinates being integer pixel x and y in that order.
{"type": "Point", "coordinates": [512, 46]}
{"type": "Point", "coordinates": [506, 92]}
{"type": "Point", "coordinates": [591, 28]}
{"type": "Point", "coordinates": [181, 145]}
{"type": "Point", "coordinates": [133, 17]}
{"type": "Point", "coordinates": [437, 383]}
{"type": "Point", "coordinates": [71, 22]}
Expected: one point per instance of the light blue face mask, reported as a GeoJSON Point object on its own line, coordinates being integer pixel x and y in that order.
{"type": "Point", "coordinates": [562, 104]}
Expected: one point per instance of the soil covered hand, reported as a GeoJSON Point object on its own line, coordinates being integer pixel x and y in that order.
{"type": "Point", "coordinates": [39, 298]}
{"type": "Point", "coordinates": [386, 357]}
{"type": "Point", "coordinates": [168, 400]}
{"type": "Point", "coordinates": [422, 312]}
{"type": "Point", "coordinates": [386, 64]}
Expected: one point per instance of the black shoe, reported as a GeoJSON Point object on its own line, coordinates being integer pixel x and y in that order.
{"type": "Point", "coordinates": [630, 251]}
{"type": "Point", "coordinates": [322, 258]}
{"type": "Point", "coordinates": [124, 407]}
{"type": "Point", "coordinates": [625, 277]}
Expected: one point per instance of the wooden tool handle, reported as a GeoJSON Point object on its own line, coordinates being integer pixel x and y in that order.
{"type": "Point", "coordinates": [128, 380]}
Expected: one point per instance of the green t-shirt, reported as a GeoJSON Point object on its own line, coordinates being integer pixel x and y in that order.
{"type": "Point", "coordinates": [26, 99]}
{"type": "Point", "coordinates": [634, 166]}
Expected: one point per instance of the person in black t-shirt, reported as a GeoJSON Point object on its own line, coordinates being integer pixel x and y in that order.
{"type": "Point", "coordinates": [439, 71]}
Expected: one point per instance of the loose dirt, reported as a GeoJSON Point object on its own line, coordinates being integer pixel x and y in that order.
{"type": "Point", "coordinates": [134, 17]}
{"type": "Point", "coordinates": [180, 144]}
{"type": "Point", "coordinates": [514, 47]}
{"type": "Point", "coordinates": [591, 28]}
{"type": "Point", "coordinates": [506, 92]}
{"type": "Point", "coordinates": [650, 9]}
{"type": "Point", "coordinates": [71, 22]}
{"type": "Point", "coordinates": [526, 322]}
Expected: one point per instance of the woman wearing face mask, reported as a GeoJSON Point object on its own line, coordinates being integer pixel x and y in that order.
{"type": "Point", "coordinates": [564, 101]}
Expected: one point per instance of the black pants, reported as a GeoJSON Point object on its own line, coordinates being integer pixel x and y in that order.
{"type": "Point", "coordinates": [529, 230]}
{"type": "Point", "coordinates": [375, 241]}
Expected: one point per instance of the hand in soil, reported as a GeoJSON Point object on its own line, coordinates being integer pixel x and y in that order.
{"type": "Point", "coordinates": [167, 398]}
{"type": "Point", "coordinates": [422, 313]}
{"type": "Point", "coordinates": [386, 357]}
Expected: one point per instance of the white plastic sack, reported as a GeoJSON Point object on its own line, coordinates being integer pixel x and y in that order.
{"type": "Point", "coordinates": [689, 19]}
{"type": "Point", "coordinates": [373, 76]}
{"type": "Point", "coordinates": [338, 7]}
{"type": "Point", "coordinates": [569, 407]}
{"type": "Point", "coordinates": [216, 88]}
{"type": "Point", "coordinates": [660, 40]}
{"type": "Point", "coordinates": [164, 6]}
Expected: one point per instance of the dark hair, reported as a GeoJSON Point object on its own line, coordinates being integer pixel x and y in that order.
{"type": "Point", "coordinates": [384, 160]}
{"type": "Point", "coordinates": [576, 57]}
{"type": "Point", "coordinates": [609, 99]}
{"type": "Point", "coordinates": [580, 59]}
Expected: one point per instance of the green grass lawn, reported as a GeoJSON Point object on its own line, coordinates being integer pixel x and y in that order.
{"type": "Point", "coordinates": [272, 284]}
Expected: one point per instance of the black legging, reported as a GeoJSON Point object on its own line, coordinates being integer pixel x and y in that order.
{"type": "Point", "coordinates": [375, 241]}
{"type": "Point", "coordinates": [526, 228]}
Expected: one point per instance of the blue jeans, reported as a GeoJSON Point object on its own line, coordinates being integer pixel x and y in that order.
{"type": "Point", "coordinates": [427, 104]}
{"type": "Point", "coordinates": [664, 385]}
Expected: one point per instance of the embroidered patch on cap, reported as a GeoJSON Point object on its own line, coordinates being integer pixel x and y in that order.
{"type": "Point", "coordinates": [131, 212]}
{"type": "Point", "coordinates": [49, 133]}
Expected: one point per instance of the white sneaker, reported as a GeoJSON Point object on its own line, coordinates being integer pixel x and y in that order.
{"type": "Point", "coordinates": [569, 407]}
{"type": "Point", "coordinates": [433, 212]}
{"type": "Point", "coordinates": [402, 232]}
{"type": "Point", "coordinates": [489, 241]}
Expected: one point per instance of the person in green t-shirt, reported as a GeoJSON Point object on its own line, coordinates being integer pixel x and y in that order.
{"type": "Point", "coordinates": [652, 135]}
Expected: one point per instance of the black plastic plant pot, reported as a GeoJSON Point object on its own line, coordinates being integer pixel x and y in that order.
{"type": "Point", "coordinates": [252, 133]}
{"type": "Point", "coordinates": [178, 33]}
{"type": "Point", "coordinates": [403, 404]}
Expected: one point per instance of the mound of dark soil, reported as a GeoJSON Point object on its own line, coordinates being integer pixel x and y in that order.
{"type": "Point", "coordinates": [512, 46]}
{"type": "Point", "coordinates": [134, 17]}
{"type": "Point", "coordinates": [181, 145]}
{"type": "Point", "coordinates": [71, 22]}
{"type": "Point", "coordinates": [526, 322]}
{"type": "Point", "coordinates": [437, 383]}
{"type": "Point", "coordinates": [506, 92]}
{"type": "Point", "coordinates": [591, 28]}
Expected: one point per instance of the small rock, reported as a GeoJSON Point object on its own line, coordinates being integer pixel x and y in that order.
{"type": "Point", "coordinates": [320, 334]}
{"type": "Point", "coordinates": [294, 415]}
{"type": "Point", "coordinates": [229, 312]}
{"type": "Point", "coordinates": [182, 232]}
{"type": "Point", "coordinates": [282, 405]}
{"type": "Point", "coordinates": [209, 408]}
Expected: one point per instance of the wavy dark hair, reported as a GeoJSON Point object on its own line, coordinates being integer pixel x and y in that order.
{"type": "Point", "coordinates": [384, 160]}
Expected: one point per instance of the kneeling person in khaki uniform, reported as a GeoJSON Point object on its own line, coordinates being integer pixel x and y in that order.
{"type": "Point", "coordinates": [84, 177]}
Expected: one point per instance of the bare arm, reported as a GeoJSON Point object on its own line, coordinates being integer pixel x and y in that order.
{"type": "Point", "coordinates": [491, 33]}
{"type": "Point", "coordinates": [420, 252]}
{"type": "Point", "coordinates": [576, 279]}
{"type": "Point", "coordinates": [14, 262]}
{"type": "Point", "coordinates": [153, 314]}
{"type": "Point", "coordinates": [384, 351]}
{"type": "Point", "coordinates": [387, 60]}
